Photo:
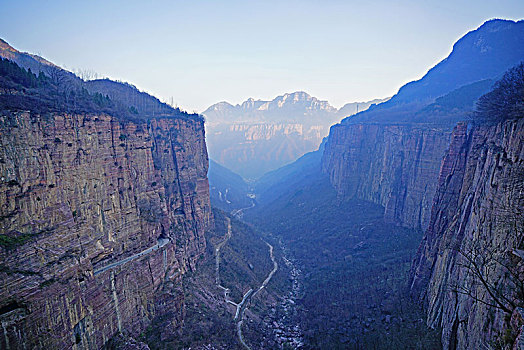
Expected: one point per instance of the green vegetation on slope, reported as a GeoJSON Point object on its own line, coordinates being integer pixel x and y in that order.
{"type": "Point", "coordinates": [59, 91]}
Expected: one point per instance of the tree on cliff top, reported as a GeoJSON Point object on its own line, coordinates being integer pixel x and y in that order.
{"type": "Point", "coordinates": [506, 100]}
{"type": "Point", "coordinates": [55, 90]}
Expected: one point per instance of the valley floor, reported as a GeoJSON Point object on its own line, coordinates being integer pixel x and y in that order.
{"type": "Point", "coordinates": [354, 271]}
{"type": "Point", "coordinates": [307, 272]}
{"type": "Point", "coordinates": [231, 301]}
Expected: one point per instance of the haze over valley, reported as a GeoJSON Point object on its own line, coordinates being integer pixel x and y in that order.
{"type": "Point", "coordinates": [259, 136]}
{"type": "Point", "coordinates": [279, 222]}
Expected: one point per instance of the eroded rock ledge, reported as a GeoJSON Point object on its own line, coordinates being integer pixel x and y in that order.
{"type": "Point", "coordinates": [82, 192]}
{"type": "Point", "coordinates": [469, 268]}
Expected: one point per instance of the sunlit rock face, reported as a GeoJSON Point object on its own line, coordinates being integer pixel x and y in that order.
{"type": "Point", "coordinates": [102, 217]}
{"type": "Point", "coordinates": [259, 136]}
{"type": "Point", "coordinates": [392, 165]}
{"type": "Point", "coordinates": [476, 220]}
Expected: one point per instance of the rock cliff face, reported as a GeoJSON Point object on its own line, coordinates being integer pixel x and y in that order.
{"type": "Point", "coordinates": [253, 149]}
{"type": "Point", "coordinates": [469, 268]}
{"type": "Point", "coordinates": [100, 217]}
{"type": "Point", "coordinates": [391, 153]}
{"type": "Point", "coordinates": [259, 136]}
{"type": "Point", "coordinates": [391, 165]}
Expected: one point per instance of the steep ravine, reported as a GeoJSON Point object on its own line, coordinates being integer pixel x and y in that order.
{"type": "Point", "coordinates": [86, 193]}
{"type": "Point", "coordinates": [394, 165]}
{"type": "Point", "coordinates": [469, 268]}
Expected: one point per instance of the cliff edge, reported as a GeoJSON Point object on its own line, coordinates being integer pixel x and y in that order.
{"type": "Point", "coordinates": [100, 214]}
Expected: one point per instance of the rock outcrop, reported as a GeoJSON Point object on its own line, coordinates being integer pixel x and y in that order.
{"type": "Point", "coordinates": [99, 218]}
{"type": "Point", "coordinates": [259, 136]}
{"type": "Point", "coordinates": [469, 268]}
{"type": "Point", "coordinates": [468, 199]}
{"type": "Point", "coordinates": [391, 165]}
{"type": "Point", "coordinates": [391, 153]}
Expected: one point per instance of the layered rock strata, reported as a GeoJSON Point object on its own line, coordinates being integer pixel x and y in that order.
{"type": "Point", "coordinates": [393, 165]}
{"type": "Point", "coordinates": [99, 218]}
{"type": "Point", "coordinates": [253, 149]}
{"type": "Point", "coordinates": [469, 268]}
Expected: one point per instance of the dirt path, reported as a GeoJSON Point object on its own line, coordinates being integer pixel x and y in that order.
{"type": "Point", "coordinates": [161, 242]}
{"type": "Point", "coordinates": [238, 213]}
{"type": "Point", "coordinates": [249, 295]}
{"type": "Point", "coordinates": [217, 253]}
{"type": "Point", "coordinates": [243, 305]}
{"type": "Point", "coordinates": [275, 268]}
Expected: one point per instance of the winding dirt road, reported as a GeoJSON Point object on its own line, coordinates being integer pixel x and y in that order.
{"type": "Point", "coordinates": [238, 213]}
{"type": "Point", "coordinates": [243, 305]}
{"type": "Point", "coordinates": [248, 296]}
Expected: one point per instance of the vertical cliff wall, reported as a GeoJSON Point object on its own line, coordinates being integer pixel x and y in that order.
{"type": "Point", "coordinates": [99, 218]}
{"type": "Point", "coordinates": [395, 166]}
{"type": "Point", "coordinates": [391, 153]}
{"type": "Point", "coordinates": [469, 268]}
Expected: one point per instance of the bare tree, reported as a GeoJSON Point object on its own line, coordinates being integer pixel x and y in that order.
{"type": "Point", "coordinates": [86, 74]}
{"type": "Point", "coordinates": [64, 81]}
{"type": "Point", "coordinates": [499, 274]}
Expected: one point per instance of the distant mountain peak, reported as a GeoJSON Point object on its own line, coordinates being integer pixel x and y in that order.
{"type": "Point", "coordinates": [483, 53]}
{"type": "Point", "coordinates": [299, 100]}
{"type": "Point", "coordinates": [288, 106]}
{"type": "Point", "coordinates": [298, 95]}
{"type": "Point", "coordinates": [222, 105]}
{"type": "Point", "coordinates": [251, 104]}
{"type": "Point", "coordinates": [497, 24]}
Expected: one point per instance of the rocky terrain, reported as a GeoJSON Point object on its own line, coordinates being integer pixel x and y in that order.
{"type": "Point", "coordinates": [236, 296]}
{"type": "Point", "coordinates": [463, 187]}
{"type": "Point", "coordinates": [80, 192]}
{"type": "Point", "coordinates": [391, 165]}
{"type": "Point", "coordinates": [107, 237]}
{"type": "Point", "coordinates": [100, 215]}
{"type": "Point", "coordinates": [259, 136]}
{"type": "Point", "coordinates": [469, 268]}
{"type": "Point", "coordinates": [391, 153]}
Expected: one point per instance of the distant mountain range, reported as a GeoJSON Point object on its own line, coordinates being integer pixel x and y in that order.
{"type": "Point", "coordinates": [298, 107]}
{"type": "Point", "coordinates": [446, 94]}
{"type": "Point", "coordinates": [258, 136]}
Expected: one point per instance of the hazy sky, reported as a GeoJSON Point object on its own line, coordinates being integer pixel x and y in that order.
{"type": "Point", "coordinates": [202, 52]}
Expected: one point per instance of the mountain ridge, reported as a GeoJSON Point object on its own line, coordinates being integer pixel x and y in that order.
{"type": "Point", "coordinates": [483, 53]}
{"type": "Point", "coordinates": [292, 98]}
{"type": "Point", "coordinates": [256, 136]}
{"type": "Point", "coordinates": [462, 188]}
{"type": "Point", "coordinates": [140, 103]}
